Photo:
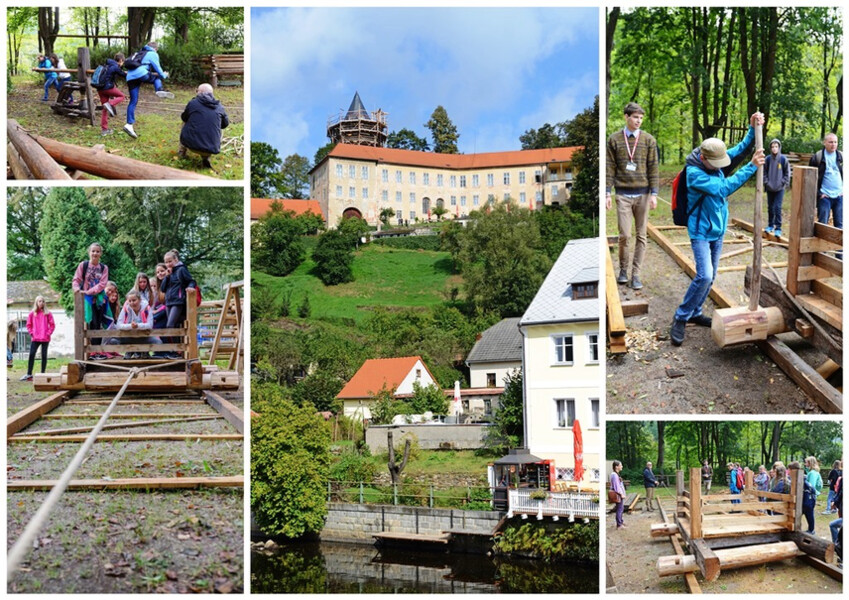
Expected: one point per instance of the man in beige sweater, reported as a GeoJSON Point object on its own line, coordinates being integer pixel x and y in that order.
{"type": "Point", "coordinates": [632, 171]}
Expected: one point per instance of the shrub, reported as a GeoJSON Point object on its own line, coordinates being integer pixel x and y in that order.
{"type": "Point", "coordinates": [354, 467]}
{"type": "Point", "coordinates": [412, 242]}
{"type": "Point", "coordinates": [334, 258]}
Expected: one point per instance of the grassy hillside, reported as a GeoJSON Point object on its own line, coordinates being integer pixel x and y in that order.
{"type": "Point", "coordinates": [382, 277]}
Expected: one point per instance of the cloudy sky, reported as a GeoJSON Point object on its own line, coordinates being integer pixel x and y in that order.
{"type": "Point", "coordinates": [498, 72]}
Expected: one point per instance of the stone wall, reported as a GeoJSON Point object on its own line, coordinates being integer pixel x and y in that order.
{"type": "Point", "coordinates": [357, 522]}
{"type": "Point", "coordinates": [431, 437]}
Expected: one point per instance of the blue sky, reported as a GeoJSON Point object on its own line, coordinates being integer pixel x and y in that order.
{"type": "Point", "coordinates": [498, 72]}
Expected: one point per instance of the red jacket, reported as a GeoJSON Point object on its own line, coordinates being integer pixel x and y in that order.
{"type": "Point", "coordinates": [40, 326]}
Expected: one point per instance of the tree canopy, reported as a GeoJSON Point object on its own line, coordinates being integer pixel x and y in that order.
{"type": "Point", "coordinates": [700, 72]}
{"type": "Point", "coordinates": [443, 131]}
{"type": "Point", "coordinates": [406, 139]}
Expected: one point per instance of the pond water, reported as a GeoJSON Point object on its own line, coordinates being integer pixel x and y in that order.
{"type": "Point", "coordinates": [354, 568]}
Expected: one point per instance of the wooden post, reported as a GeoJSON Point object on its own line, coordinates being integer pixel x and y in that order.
{"type": "Point", "coordinates": [803, 213]}
{"type": "Point", "coordinates": [83, 66]}
{"type": "Point", "coordinates": [755, 295]}
{"type": "Point", "coordinates": [80, 342]}
{"type": "Point", "coordinates": [222, 318]}
{"type": "Point", "coordinates": [191, 324]}
{"type": "Point", "coordinates": [695, 503]}
{"type": "Point", "coordinates": [797, 489]}
{"type": "Point", "coordinates": [749, 486]}
{"type": "Point", "coordinates": [235, 359]}
{"type": "Point", "coordinates": [679, 483]}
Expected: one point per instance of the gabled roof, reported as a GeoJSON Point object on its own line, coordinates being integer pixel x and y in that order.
{"type": "Point", "coordinates": [24, 292]}
{"type": "Point", "coordinates": [415, 158]}
{"type": "Point", "coordinates": [500, 343]}
{"type": "Point", "coordinates": [356, 110]}
{"type": "Point", "coordinates": [553, 302]}
{"type": "Point", "coordinates": [260, 206]}
{"type": "Point", "coordinates": [377, 373]}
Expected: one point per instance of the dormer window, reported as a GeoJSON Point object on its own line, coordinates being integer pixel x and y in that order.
{"type": "Point", "coordinates": [585, 290]}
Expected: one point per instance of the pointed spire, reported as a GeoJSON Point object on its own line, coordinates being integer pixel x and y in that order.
{"type": "Point", "coordinates": [356, 110]}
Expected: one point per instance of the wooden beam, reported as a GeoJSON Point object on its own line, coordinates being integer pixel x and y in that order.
{"type": "Point", "coordinates": [832, 571]}
{"type": "Point", "coordinates": [721, 299]}
{"type": "Point", "coordinates": [797, 488]}
{"type": "Point", "coordinates": [616, 329]}
{"type": "Point", "coordinates": [79, 327]}
{"type": "Point", "coordinates": [811, 383]}
{"type": "Point", "coordinates": [110, 166]}
{"type": "Point", "coordinates": [751, 229]}
{"type": "Point", "coordinates": [731, 268]}
{"type": "Point", "coordinates": [133, 483]}
{"type": "Point", "coordinates": [226, 409]}
{"type": "Point", "coordinates": [828, 368]}
{"type": "Point", "coordinates": [809, 273]}
{"type": "Point", "coordinates": [812, 545]}
{"type": "Point", "coordinates": [128, 416]}
{"type": "Point", "coordinates": [736, 252]}
{"type": "Point", "coordinates": [131, 437]}
{"type": "Point", "coordinates": [828, 292]}
{"type": "Point", "coordinates": [828, 263]}
{"type": "Point", "coordinates": [32, 413]}
{"type": "Point", "coordinates": [829, 233]}
{"type": "Point", "coordinates": [633, 308]}
{"type": "Point", "coordinates": [802, 217]}
{"type": "Point", "coordinates": [36, 158]}
{"type": "Point", "coordinates": [823, 309]}
{"type": "Point", "coordinates": [695, 503]}
{"type": "Point", "coordinates": [817, 244]}
{"type": "Point", "coordinates": [66, 430]}
{"type": "Point", "coordinates": [706, 559]}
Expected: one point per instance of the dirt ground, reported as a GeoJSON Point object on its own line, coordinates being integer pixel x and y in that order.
{"type": "Point", "coordinates": [738, 380]}
{"type": "Point", "coordinates": [128, 541]}
{"type": "Point", "coordinates": [632, 556]}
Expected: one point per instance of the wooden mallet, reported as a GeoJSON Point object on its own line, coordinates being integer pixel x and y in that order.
{"type": "Point", "coordinates": [743, 324]}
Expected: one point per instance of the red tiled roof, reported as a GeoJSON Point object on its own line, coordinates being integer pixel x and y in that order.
{"type": "Point", "coordinates": [377, 373]}
{"type": "Point", "coordinates": [484, 160]}
{"type": "Point", "coordinates": [260, 206]}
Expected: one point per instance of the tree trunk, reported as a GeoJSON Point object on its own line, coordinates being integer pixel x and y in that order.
{"type": "Point", "coordinates": [661, 425]}
{"type": "Point", "coordinates": [139, 27]}
{"type": "Point", "coordinates": [777, 426]}
{"type": "Point", "coordinates": [395, 469]}
{"type": "Point", "coordinates": [839, 115]}
{"type": "Point", "coordinates": [48, 28]}
{"type": "Point", "coordinates": [612, 19]}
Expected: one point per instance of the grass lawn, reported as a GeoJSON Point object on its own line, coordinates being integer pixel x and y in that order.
{"type": "Point", "coordinates": [382, 277]}
{"type": "Point", "coordinates": [157, 123]}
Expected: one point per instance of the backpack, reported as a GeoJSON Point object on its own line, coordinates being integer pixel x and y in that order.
{"type": "Point", "coordinates": [98, 78]}
{"type": "Point", "coordinates": [135, 61]}
{"type": "Point", "coordinates": [809, 497]}
{"type": "Point", "coordinates": [740, 480]}
{"type": "Point", "coordinates": [199, 294]}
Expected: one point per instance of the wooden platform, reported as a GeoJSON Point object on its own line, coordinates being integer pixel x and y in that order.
{"type": "Point", "coordinates": [734, 530]}
{"type": "Point", "coordinates": [393, 538]}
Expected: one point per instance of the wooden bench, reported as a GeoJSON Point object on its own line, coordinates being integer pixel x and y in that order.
{"type": "Point", "coordinates": [223, 64]}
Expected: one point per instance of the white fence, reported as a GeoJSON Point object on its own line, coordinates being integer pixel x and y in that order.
{"type": "Point", "coordinates": [556, 504]}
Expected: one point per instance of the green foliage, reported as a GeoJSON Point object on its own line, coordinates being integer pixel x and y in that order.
{"type": "Point", "coordinates": [334, 258]}
{"type": "Point", "coordinates": [353, 229]}
{"type": "Point", "coordinates": [266, 179]}
{"type": "Point", "coordinates": [69, 225]}
{"type": "Point", "coordinates": [428, 398]}
{"type": "Point", "coordinates": [304, 307]}
{"type": "Point", "coordinates": [443, 131]}
{"type": "Point", "coordinates": [386, 214]}
{"type": "Point", "coordinates": [319, 389]}
{"type": "Point", "coordinates": [290, 465]}
{"type": "Point", "coordinates": [23, 241]}
{"type": "Point", "coordinates": [323, 151]}
{"type": "Point", "coordinates": [384, 408]}
{"type": "Point", "coordinates": [502, 258]}
{"type": "Point", "coordinates": [406, 139]}
{"type": "Point", "coordinates": [276, 246]}
{"type": "Point", "coordinates": [354, 467]}
{"type": "Point", "coordinates": [295, 176]}
{"type": "Point", "coordinates": [281, 359]}
{"type": "Point", "coordinates": [547, 136]}
{"type": "Point", "coordinates": [583, 131]}
{"type": "Point", "coordinates": [508, 427]}
{"type": "Point", "coordinates": [574, 541]}
{"type": "Point", "coordinates": [559, 224]}
{"type": "Point", "coordinates": [180, 60]}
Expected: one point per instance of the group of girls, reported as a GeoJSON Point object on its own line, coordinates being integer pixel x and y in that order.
{"type": "Point", "coordinates": [53, 78]}
{"type": "Point", "coordinates": [164, 295]}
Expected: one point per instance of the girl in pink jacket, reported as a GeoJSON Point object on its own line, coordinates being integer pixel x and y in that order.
{"type": "Point", "coordinates": [40, 326]}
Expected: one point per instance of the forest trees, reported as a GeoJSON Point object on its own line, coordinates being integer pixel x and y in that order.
{"type": "Point", "coordinates": [443, 131]}
{"type": "Point", "coordinates": [700, 72]}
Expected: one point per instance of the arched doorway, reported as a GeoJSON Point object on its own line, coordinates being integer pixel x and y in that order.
{"type": "Point", "coordinates": [426, 206]}
{"type": "Point", "coordinates": [352, 212]}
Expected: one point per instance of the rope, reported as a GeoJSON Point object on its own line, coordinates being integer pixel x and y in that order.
{"type": "Point", "coordinates": [19, 551]}
{"type": "Point", "coordinates": [139, 369]}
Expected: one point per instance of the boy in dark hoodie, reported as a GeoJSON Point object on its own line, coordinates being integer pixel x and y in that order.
{"type": "Point", "coordinates": [708, 189]}
{"type": "Point", "coordinates": [109, 94]}
{"type": "Point", "coordinates": [203, 120]}
{"type": "Point", "coordinates": [776, 180]}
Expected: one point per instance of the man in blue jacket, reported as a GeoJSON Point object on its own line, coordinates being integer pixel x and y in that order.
{"type": "Point", "coordinates": [707, 204]}
{"type": "Point", "coordinates": [149, 71]}
{"type": "Point", "coordinates": [650, 482]}
{"type": "Point", "coordinates": [203, 120]}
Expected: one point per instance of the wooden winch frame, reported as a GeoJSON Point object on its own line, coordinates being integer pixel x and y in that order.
{"type": "Point", "coordinates": [728, 531]}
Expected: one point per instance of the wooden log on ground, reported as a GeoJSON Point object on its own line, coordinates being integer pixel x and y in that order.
{"type": "Point", "coordinates": [66, 430]}
{"type": "Point", "coordinates": [727, 558]}
{"type": "Point", "coordinates": [228, 410]}
{"type": "Point", "coordinates": [741, 325]}
{"type": "Point", "coordinates": [832, 571]}
{"type": "Point", "coordinates": [812, 545]}
{"type": "Point", "coordinates": [616, 329]}
{"type": "Point", "coordinates": [133, 483]}
{"type": "Point", "coordinates": [676, 565]}
{"type": "Point", "coordinates": [36, 158]}
{"type": "Point", "coordinates": [632, 308]}
{"type": "Point", "coordinates": [19, 168]}
{"type": "Point", "coordinates": [730, 268]}
{"type": "Point", "coordinates": [664, 529]}
{"type": "Point", "coordinates": [805, 376]}
{"type": "Point", "coordinates": [32, 413]}
{"type": "Point", "coordinates": [110, 166]}
{"type": "Point", "coordinates": [130, 437]}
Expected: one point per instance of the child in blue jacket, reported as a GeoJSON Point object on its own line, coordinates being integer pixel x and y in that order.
{"type": "Point", "coordinates": [50, 78]}
{"type": "Point", "coordinates": [150, 71]}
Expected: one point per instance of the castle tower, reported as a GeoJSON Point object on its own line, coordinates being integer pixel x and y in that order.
{"type": "Point", "coordinates": [358, 126]}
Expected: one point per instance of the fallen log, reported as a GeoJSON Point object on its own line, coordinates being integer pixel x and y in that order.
{"type": "Point", "coordinates": [729, 558]}
{"type": "Point", "coordinates": [19, 168]}
{"type": "Point", "coordinates": [110, 166]}
{"type": "Point", "coordinates": [36, 158]}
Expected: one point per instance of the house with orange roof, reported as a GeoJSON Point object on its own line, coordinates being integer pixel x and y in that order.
{"type": "Point", "coordinates": [396, 375]}
{"type": "Point", "coordinates": [260, 206]}
{"type": "Point", "coordinates": [360, 181]}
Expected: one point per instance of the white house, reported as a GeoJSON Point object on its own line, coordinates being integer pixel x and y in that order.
{"type": "Point", "coordinates": [396, 375]}
{"type": "Point", "coordinates": [496, 353]}
{"type": "Point", "coordinates": [560, 331]}
{"type": "Point", "coordinates": [19, 299]}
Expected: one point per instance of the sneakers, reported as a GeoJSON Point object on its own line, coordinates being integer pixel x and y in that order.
{"type": "Point", "coordinates": [106, 132]}
{"type": "Point", "coordinates": [164, 94]}
{"type": "Point", "coordinates": [110, 109]}
{"type": "Point", "coordinates": [26, 378]}
{"type": "Point", "coordinates": [676, 332]}
{"type": "Point", "coordinates": [45, 99]}
{"type": "Point", "coordinates": [206, 164]}
{"type": "Point", "coordinates": [128, 129]}
{"type": "Point", "coordinates": [623, 276]}
{"type": "Point", "coordinates": [769, 229]}
{"type": "Point", "coordinates": [98, 356]}
{"type": "Point", "coordinates": [777, 233]}
{"type": "Point", "coordinates": [700, 320]}
{"type": "Point", "coordinates": [636, 284]}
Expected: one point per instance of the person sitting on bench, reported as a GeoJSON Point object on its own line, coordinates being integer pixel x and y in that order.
{"type": "Point", "coordinates": [134, 316]}
{"type": "Point", "coordinates": [203, 120]}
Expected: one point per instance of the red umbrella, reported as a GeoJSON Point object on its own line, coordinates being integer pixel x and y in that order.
{"type": "Point", "coordinates": [579, 451]}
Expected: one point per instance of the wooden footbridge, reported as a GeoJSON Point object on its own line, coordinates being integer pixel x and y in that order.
{"type": "Point", "coordinates": [729, 531]}
{"type": "Point", "coordinates": [148, 401]}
